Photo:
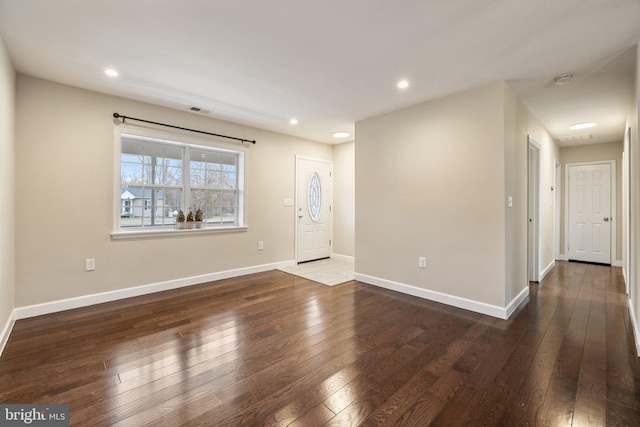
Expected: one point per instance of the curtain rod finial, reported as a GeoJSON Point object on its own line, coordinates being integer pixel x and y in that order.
{"type": "Point", "coordinates": [116, 115]}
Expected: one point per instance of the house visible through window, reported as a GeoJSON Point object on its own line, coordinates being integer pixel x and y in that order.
{"type": "Point", "coordinates": [158, 178]}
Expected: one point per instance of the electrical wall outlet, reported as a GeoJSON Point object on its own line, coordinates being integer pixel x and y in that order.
{"type": "Point", "coordinates": [260, 245]}
{"type": "Point", "coordinates": [89, 264]}
{"type": "Point", "coordinates": [422, 262]}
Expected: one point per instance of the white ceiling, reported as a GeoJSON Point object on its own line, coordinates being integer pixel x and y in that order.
{"type": "Point", "coordinates": [331, 63]}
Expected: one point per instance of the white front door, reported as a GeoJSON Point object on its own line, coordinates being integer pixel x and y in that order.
{"type": "Point", "coordinates": [590, 213]}
{"type": "Point", "coordinates": [313, 209]}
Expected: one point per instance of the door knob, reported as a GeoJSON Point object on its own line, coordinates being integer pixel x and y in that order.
{"type": "Point", "coordinates": [606, 219]}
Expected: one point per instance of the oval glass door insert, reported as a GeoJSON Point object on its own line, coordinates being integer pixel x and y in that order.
{"type": "Point", "coordinates": [314, 197]}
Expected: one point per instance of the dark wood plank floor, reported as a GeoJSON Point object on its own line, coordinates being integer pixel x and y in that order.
{"type": "Point", "coordinates": [274, 349]}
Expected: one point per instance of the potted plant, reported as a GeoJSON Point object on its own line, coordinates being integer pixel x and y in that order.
{"type": "Point", "coordinates": [190, 220]}
{"type": "Point", "coordinates": [199, 219]}
{"type": "Point", "coordinates": [180, 220]}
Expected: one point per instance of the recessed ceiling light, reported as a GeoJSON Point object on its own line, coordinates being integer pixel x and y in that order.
{"type": "Point", "coordinates": [293, 121]}
{"type": "Point", "coordinates": [111, 72]}
{"type": "Point", "coordinates": [403, 84]}
{"type": "Point", "coordinates": [586, 125]}
{"type": "Point", "coordinates": [341, 134]}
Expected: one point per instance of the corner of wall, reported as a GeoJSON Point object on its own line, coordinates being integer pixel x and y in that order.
{"type": "Point", "coordinates": [344, 199]}
{"type": "Point", "coordinates": [7, 193]}
{"type": "Point", "coordinates": [514, 198]}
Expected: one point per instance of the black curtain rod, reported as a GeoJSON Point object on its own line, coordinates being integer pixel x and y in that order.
{"type": "Point", "coordinates": [118, 116]}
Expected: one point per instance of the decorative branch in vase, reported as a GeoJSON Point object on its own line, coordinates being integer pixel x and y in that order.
{"type": "Point", "coordinates": [199, 219]}
{"type": "Point", "coordinates": [180, 220]}
{"type": "Point", "coordinates": [190, 220]}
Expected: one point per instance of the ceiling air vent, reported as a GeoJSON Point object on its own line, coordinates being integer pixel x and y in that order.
{"type": "Point", "coordinates": [583, 137]}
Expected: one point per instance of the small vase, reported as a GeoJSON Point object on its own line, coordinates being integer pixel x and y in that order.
{"type": "Point", "coordinates": [189, 224]}
{"type": "Point", "coordinates": [179, 225]}
{"type": "Point", "coordinates": [199, 224]}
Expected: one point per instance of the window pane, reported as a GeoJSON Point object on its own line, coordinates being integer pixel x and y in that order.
{"type": "Point", "coordinates": [166, 204]}
{"type": "Point", "coordinates": [228, 215]}
{"type": "Point", "coordinates": [147, 162]}
{"type": "Point", "coordinates": [128, 208]}
{"type": "Point", "coordinates": [167, 172]}
{"type": "Point", "coordinates": [131, 169]}
{"type": "Point", "coordinates": [143, 206]}
{"type": "Point", "coordinates": [212, 170]}
{"type": "Point", "coordinates": [228, 180]}
{"type": "Point", "coordinates": [217, 206]}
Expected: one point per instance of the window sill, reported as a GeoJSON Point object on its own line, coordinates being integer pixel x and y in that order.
{"type": "Point", "coordinates": [143, 234]}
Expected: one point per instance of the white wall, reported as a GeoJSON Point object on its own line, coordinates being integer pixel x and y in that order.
{"type": "Point", "coordinates": [430, 182]}
{"type": "Point", "coordinates": [433, 180]}
{"type": "Point", "coordinates": [7, 121]}
{"type": "Point", "coordinates": [64, 198]}
{"type": "Point", "coordinates": [344, 199]}
{"type": "Point", "coordinates": [633, 268]}
{"type": "Point", "coordinates": [515, 164]}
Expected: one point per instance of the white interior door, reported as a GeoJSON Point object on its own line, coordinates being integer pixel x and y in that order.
{"type": "Point", "coordinates": [590, 213]}
{"type": "Point", "coordinates": [313, 209]}
{"type": "Point", "coordinates": [533, 202]}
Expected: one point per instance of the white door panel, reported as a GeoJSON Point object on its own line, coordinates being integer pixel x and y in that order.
{"type": "Point", "coordinates": [313, 209]}
{"type": "Point", "coordinates": [590, 213]}
{"type": "Point", "coordinates": [533, 183]}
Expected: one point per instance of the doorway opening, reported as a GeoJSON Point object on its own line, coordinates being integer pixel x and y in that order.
{"type": "Point", "coordinates": [533, 210]}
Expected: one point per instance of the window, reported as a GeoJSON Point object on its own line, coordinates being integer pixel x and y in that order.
{"type": "Point", "coordinates": [158, 178]}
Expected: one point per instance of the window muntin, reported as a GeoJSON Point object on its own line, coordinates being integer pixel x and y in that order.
{"type": "Point", "coordinates": [158, 178]}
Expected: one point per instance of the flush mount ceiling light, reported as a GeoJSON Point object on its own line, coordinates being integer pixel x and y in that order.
{"type": "Point", "coordinates": [293, 121]}
{"type": "Point", "coordinates": [403, 84]}
{"type": "Point", "coordinates": [341, 134]}
{"type": "Point", "coordinates": [563, 79]}
{"type": "Point", "coordinates": [585, 125]}
{"type": "Point", "coordinates": [111, 72]}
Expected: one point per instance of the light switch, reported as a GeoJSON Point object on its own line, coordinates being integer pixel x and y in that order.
{"type": "Point", "coordinates": [510, 202]}
{"type": "Point", "coordinates": [287, 202]}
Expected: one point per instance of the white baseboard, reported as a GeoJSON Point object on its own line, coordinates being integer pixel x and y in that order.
{"type": "Point", "coordinates": [563, 257]}
{"type": "Point", "coordinates": [547, 269]}
{"type": "Point", "coordinates": [86, 300]}
{"type": "Point", "coordinates": [6, 331]}
{"type": "Point", "coordinates": [515, 303]}
{"type": "Point", "coordinates": [467, 304]}
{"type": "Point", "coordinates": [345, 258]}
{"type": "Point", "coordinates": [636, 327]}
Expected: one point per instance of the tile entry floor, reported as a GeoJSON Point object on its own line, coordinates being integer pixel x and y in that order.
{"type": "Point", "coordinates": [326, 271]}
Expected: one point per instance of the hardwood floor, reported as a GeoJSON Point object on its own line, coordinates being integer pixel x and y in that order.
{"type": "Point", "coordinates": [275, 349]}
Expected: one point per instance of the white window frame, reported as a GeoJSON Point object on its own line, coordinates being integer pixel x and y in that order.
{"type": "Point", "coordinates": [185, 142]}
